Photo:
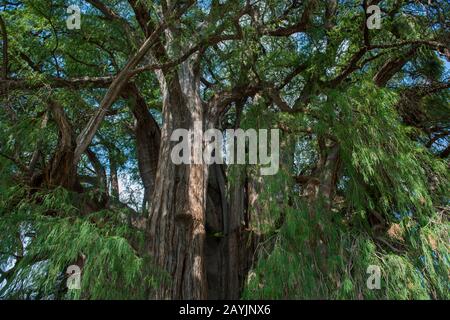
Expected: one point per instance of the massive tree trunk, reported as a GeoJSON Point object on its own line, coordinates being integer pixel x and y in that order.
{"type": "Point", "coordinates": [224, 266]}
{"type": "Point", "coordinates": [176, 227]}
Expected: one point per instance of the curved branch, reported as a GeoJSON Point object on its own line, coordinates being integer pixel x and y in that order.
{"type": "Point", "coordinates": [54, 82]}
{"type": "Point", "coordinates": [5, 48]}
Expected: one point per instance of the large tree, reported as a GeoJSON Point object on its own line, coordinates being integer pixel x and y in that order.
{"type": "Point", "coordinates": [87, 178]}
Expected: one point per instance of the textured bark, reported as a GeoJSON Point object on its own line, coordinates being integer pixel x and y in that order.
{"type": "Point", "coordinates": [391, 67]}
{"type": "Point", "coordinates": [119, 82]}
{"type": "Point", "coordinates": [445, 153]}
{"type": "Point", "coordinates": [328, 176]}
{"type": "Point", "coordinates": [101, 181]}
{"type": "Point", "coordinates": [61, 170]}
{"type": "Point", "coordinates": [238, 203]}
{"type": "Point", "coordinates": [176, 228]}
{"type": "Point", "coordinates": [37, 152]}
{"type": "Point", "coordinates": [114, 178]}
{"type": "Point", "coordinates": [5, 48]}
{"type": "Point", "coordinates": [76, 83]}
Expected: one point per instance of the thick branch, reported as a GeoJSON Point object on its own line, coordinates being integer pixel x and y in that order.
{"type": "Point", "coordinates": [220, 101]}
{"type": "Point", "coordinates": [300, 26]}
{"type": "Point", "coordinates": [107, 12]}
{"type": "Point", "coordinates": [142, 15]}
{"type": "Point", "coordinates": [5, 48]}
{"type": "Point", "coordinates": [85, 137]}
{"type": "Point", "coordinates": [99, 169]}
{"type": "Point", "coordinates": [391, 67]}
